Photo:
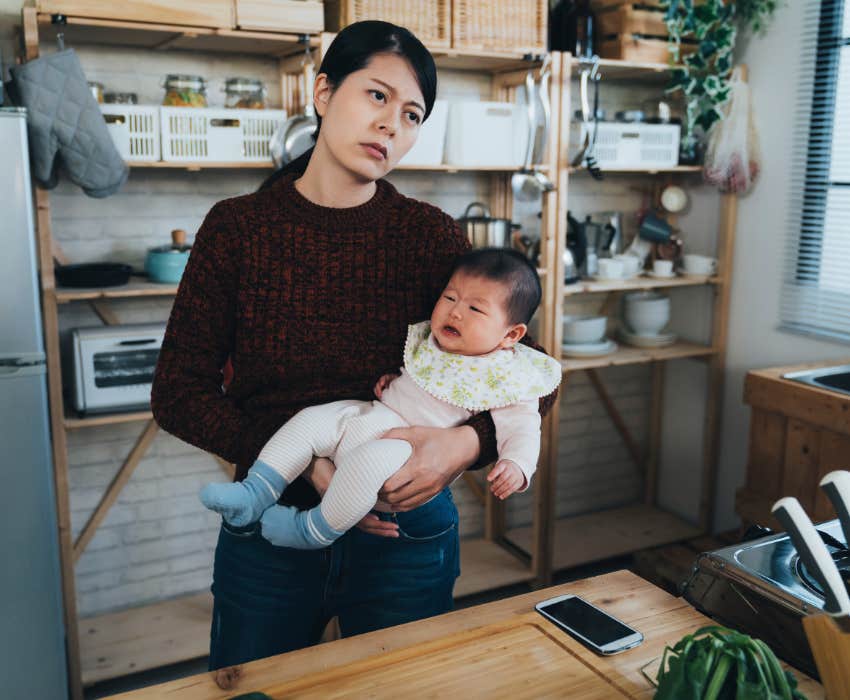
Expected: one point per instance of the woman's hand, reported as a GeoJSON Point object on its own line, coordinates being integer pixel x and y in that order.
{"type": "Point", "coordinates": [439, 456]}
{"type": "Point", "coordinates": [383, 383]}
{"type": "Point", "coordinates": [319, 474]}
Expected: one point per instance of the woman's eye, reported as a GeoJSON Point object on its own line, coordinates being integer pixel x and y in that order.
{"type": "Point", "coordinates": [380, 94]}
{"type": "Point", "coordinates": [416, 119]}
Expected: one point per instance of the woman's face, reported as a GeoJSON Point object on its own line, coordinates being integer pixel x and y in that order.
{"type": "Point", "coordinates": [372, 119]}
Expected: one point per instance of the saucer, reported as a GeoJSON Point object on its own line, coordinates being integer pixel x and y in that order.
{"type": "Point", "coordinates": [694, 274]}
{"type": "Point", "coordinates": [659, 340]}
{"type": "Point", "coordinates": [597, 278]}
{"type": "Point", "coordinates": [656, 275]}
{"type": "Point", "coordinates": [606, 347]}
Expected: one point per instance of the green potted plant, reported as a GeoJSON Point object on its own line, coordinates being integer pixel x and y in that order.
{"type": "Point", "coordinates": [703, 75]}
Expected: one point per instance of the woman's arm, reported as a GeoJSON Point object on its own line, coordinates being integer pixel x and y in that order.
{"type": "Point", "coordinates": [187, 398]}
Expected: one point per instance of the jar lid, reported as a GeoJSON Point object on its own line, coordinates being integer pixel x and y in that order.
{"type": "Point", "coordinates": [177, 80]}
{"type": "Point", "coordinates": [244, 84]}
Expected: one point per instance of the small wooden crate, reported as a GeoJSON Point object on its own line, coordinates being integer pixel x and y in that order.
{"type": "Point", "coordinates": [429, 20]}
{"type": "Point", "coordinates": [638, 49]}
{"type": "Point", "coordinates": [626, 18]}
{"type": "Point", "coordinates": [517, 26]}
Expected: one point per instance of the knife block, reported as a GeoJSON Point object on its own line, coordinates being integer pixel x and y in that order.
{"type": "Point", "coordinates": [831, 648]}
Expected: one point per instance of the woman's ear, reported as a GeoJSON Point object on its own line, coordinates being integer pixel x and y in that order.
{"type": "Point", "coordinates": [513, 336]}
{"type": "Point", "coordinates": [322, 92]}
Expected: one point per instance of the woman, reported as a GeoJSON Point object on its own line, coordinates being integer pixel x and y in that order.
{"type": "Point", "coordinates": [307, 287]}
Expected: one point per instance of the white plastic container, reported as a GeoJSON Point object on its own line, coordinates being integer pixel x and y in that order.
{"type": "Point", "coordinates": [216, 135]}
{"type": "Point", "coordinates": [622, 146]}
{"type": "Point", "coordinates": [431, 142]}
{"type": "Point", "coordinates": [487, 134]}
{"type": "Point", "coordinates": [134, 130]}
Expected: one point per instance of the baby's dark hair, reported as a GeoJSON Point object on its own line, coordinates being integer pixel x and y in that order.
{"type": "Point", "coordinates": [512, 268]}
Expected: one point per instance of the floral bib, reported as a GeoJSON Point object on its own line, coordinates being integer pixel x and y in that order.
{"type": "Point", "coordinates": [480, 382]}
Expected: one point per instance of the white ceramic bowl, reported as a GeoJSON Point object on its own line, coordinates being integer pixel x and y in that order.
{"type": "Point", "coordinates": [647, 300]}
{"type": "Point", "coordinates": [584, 329]}
{"type": "Point", "coordinates": [646, 323]}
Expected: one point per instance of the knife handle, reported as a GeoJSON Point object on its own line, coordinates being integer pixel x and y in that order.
{"type": "Point", "coordinates": [836, 485]}
{"type": "Point", "coordinates": [814, 554]}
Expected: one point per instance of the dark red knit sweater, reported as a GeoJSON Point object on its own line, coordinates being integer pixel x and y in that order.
{"type": "Point", "coordinates": [310, 303]}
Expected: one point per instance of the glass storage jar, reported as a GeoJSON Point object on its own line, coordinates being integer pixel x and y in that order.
{"type": "Point", "coordinates": [185, 91]}
{"type": "Point", "coordinates": [96, 91]}
{"type": "Point", "coordinates": [121, 98]}
{"type": "Point", "coordinates": [244, 93]}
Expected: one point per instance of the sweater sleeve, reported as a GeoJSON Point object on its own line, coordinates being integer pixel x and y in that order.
{"type": "Point", "coordinates": [454, 244]}
{"type": "Point", "coordinates": [187, 398]}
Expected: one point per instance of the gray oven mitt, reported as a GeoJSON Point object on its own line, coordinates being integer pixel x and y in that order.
{"type": "Point", "coordinates": [63, 117]}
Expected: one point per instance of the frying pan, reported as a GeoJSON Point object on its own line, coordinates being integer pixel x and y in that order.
{"type": "Point", "coordinates": [103, 274]}
{"type": "Point", "coordinates": [295, 135]}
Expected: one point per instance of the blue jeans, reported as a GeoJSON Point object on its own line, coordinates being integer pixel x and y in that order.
{"type": "Point", "coordinates": [269, 600]}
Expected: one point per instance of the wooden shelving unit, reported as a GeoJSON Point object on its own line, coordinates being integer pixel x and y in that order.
{"type": "Point", "coordinates": [107, 646]}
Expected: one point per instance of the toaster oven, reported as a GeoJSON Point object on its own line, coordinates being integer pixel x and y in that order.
{"type": "Point", "coordinates": [113, 366]}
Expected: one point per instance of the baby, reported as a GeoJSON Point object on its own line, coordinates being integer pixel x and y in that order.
{"type": "Point", "coordinates": [465, 360]}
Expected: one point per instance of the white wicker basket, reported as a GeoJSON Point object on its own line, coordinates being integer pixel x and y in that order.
{"type": "Point", "coordinates": [217, 135]}
{"type": "Point", "coordinates": [134, 130]}
{"type": "Point", "coordinates": [486, 134]}
{"type": "Point", "coordinates": [622, 146]}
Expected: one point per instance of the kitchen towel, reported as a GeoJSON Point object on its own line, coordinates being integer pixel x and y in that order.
{"type": "Point", "coordinates": [65, 125]}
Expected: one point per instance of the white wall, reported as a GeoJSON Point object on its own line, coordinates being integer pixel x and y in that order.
{"type": "Point", "coordinates": [754, 339]}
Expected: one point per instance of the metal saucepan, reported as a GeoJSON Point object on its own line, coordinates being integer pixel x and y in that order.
{"type": "Point", "coordinates": [485, 231]}
{"type": "Point", "coordinates": [295, 135]}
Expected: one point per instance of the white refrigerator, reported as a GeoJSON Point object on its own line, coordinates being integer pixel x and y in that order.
{"type": "Point", "coordinates": [32, 632]}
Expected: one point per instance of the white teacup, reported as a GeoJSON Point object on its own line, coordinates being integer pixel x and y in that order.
{"type": "Point", "coordinates": [631, 264]}
{"type": "Point", "coordinates": [699, 264]}
{"type": "Point", "coordinates": [611, 269]}
{"type": "Point", "coordinates": [662, 267]}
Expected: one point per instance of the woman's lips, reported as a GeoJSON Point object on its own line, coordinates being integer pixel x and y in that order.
{"type": "Point", "coordinates": [377, 154]}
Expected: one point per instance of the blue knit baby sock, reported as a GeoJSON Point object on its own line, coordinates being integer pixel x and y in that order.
{"type": "Point", "coordinates": [243, 502]}
{"type": "Point", "coordinates": [286, 526]}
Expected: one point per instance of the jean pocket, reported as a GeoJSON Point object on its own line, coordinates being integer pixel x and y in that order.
{"type": "Point", "coordinates": [245, 532]}
{"type": "Point", "coordinates": [429, 521]}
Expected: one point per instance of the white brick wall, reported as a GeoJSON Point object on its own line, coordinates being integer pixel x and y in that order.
{"type": "Point", "coordinates": [157, 541]}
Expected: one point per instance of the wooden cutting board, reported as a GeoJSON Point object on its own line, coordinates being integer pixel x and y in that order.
{"type": "Point", "coordinates": [521, 658]}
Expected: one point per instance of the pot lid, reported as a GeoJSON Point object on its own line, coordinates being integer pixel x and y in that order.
{"type": "Point", "coordinates": [177, 245]}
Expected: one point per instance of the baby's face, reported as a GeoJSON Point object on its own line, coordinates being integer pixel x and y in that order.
{"type": "Point", "coordinates": [470, 316]}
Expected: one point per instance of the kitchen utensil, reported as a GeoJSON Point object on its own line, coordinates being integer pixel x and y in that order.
{"type": "Point", "coordinates": [592, 165]}
{"type": "Point", "coordinates": [584, 329]}
{"type": "Point", "coordinates": [542, 133]}
{"type": "Point", "coordinates": [576, 244]}
{"type": "Point", "coordinates": [530, 247]}
{"type": "Point", "coordinates": [166, 263]}
{"type": "Point", "coordinates": [571, 274]}
{"type": "Point", "coordinates": [836, 485]}
{"type": "Point", "coordinates": [663, 268]}
{"type": "Point", "coordinates": [100, 274]}
{"type": "Point", "coordinates": [610, 269]}
{"type": "Point", "coordinates": [814, 554]}
{"type": "Point", "coordinates": [485, 231]}
{"type": "Point", "coordinates": [295, 135]}
{"type": "Point", "coordinates": [525, 185]}
{"type": "Point", "coordinates": [588, 70]}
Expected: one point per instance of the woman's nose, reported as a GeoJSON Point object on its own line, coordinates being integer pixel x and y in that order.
{"type": "Point", "coordinates": [389, 120]}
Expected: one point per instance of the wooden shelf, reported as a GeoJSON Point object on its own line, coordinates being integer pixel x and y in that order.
{"type": "Point", "coordinates": [443, 168]}
{"type": "Point", "coordinates": [147, 35]}
{"type": "Point", "coordinates": [583, 539]}
{"type": "Point", "coordinates": [136, 287]}
{"type": "Point", "coordinates": [120, 643]}
{"type": "Point", "coordinates": [638, 283]}
{"type": "Point", "coordinates": [72, 422]}
{"type": "Point", "coordinates": [627, 355]}
{"type": "Point", "coordinates": [679, 169]}
{"type": "Point", "coordinates": [613, 69]}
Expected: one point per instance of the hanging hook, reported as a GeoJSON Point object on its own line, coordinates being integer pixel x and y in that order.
{"type": "Point", "coordinates": [59, 21]}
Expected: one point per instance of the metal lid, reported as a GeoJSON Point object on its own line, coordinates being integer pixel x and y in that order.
{"type": "Point", "coordinates": [182, 81]}
{"type": "Point", "coordinates": [244, 85]}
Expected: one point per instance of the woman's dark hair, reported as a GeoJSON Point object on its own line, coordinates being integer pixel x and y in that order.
{"type": "Point", "coordinates": [512, 268]}
{"type": "Point", "coordinates": [352, 50]}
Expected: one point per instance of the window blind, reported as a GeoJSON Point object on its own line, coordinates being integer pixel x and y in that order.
{"type": "Point", "coordinates": [816, 287]}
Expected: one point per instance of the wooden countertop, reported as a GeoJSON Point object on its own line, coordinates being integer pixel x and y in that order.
{"type": "Point", "coordinates": [499, 649]}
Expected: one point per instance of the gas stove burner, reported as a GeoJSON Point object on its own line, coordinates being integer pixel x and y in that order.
{"type": "Point", "coordinates": [842, 561]}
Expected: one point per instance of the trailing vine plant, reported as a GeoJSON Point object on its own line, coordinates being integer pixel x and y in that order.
{"type": "Point", "coordinates": [702, 36]}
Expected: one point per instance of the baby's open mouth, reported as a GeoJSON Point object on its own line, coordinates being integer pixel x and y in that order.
{"type": "Point", "coordinates": [451, 330]}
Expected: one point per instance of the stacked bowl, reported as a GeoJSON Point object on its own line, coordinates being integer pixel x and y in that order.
{"type": "Point", "coordinates": [647, 313]}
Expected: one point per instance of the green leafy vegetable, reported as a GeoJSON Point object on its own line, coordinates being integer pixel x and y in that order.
{"type": "Point", "coordinates": [717, 663]}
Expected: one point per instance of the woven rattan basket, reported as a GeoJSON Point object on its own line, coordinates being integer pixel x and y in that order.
{"type": "Point", "coordinates": [427, 19]}
{"type": "Point", "coordinates": [507, 25]}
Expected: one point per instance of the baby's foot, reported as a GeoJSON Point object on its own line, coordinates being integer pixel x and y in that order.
{"type": "Point", "coordinates": [243, 502]}
{"type": "Point", "coordinates": [286, 526]}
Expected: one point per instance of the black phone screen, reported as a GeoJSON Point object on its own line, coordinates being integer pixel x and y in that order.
{"type": "Point", "coordinates": [591, 623]}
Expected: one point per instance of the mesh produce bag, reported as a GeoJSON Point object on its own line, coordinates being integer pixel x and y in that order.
{"type": "Point", "coordinates": [733, 158]}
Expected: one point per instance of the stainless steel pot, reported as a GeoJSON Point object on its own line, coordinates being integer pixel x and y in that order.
{"type": "Point", "coordinates": [486, 231]}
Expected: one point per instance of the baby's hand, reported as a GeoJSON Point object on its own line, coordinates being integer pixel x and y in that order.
{"type": "Point", "coordinates": [506, 478]}
{"type": "Point", "coordinates": [383, 383]}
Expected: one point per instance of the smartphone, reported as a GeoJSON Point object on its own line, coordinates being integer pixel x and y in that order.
{"type": "Point", "coordinates": [595, 628]}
